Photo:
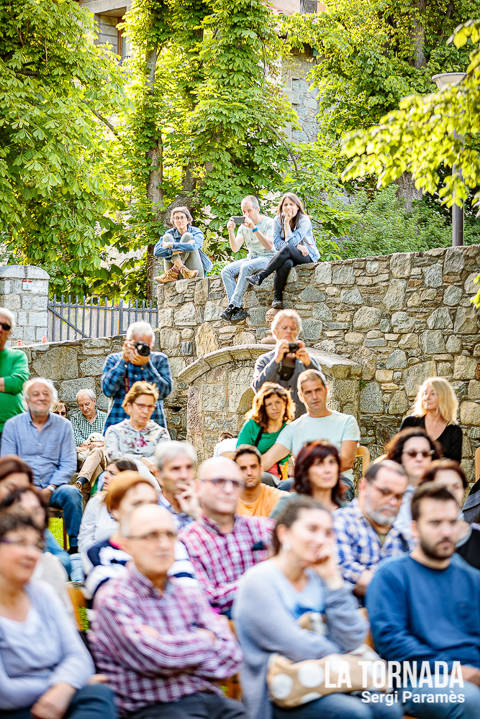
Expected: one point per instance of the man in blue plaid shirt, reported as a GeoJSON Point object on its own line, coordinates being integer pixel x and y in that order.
{"type": "Point", "coordinates": [136, 362]}
{"type": "Point", "coordinates": [364, 528]}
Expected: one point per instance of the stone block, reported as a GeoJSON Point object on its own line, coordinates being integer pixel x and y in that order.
{"type": "Point", "coordinates": [384, 375]}
{"type": "Point", "coordinates": [470, 413]}
{"type": "Point", "coordinates": [371, 398]}
{"type": "Point", "coordinates": [399, 403]}
{"type": "Point", "coordinates": [366, 318]}
{"type": "Point", "coordinates": [185, 314]}
{"type": "Point", "coordinates": [165, 317]}
{"type": "Point", "coordinates": [432, 341]}
{"type": "Point", "coordinates": [397, 359]}
{"type": "Point", "coordinates": [323, 273]}
{"type": "Point", "coordinates": [395, 295]}
{"type": "Point", "coordinates": [187, 348]}
{"type": "Point", "coordinates": [67, 390]}
{"type": "Point", "coordinates": [402, 322]}
{"type": "Point", "coordinates": [213, 311]}
{"type": "Point", "coordinates": [326, 346]}
{"type": "Point", "coordinates": [59, 363]}
{"type": "Point", "coordinates": [444, 369]}
{"type": "Point", "coordinates": [322, 312]}
{"type": "Point", "coordinates": [354, 338]}
{"type": "Point", "coordinates": [312, 294]}
{"type": "Point", "coordinates": [454, 260]}
{"type": "Point", "coordinates": [343, 274]}
{"type": "Point", "coordinates": [400, 265]}
{"type": "Point", "coordinates": [464, 367]}
{"type": "Point", "coordinates": [92, 367]}
{"type": "Point", "coordinates": [433, 275]}
{"type": "Point", "coordinates": [312, 330]}
{"type": "Point", "coordinates": [205, 340]}
{"type": "Point", "coordinates": [473, 389]}
{"type": "Point", "coordinates": [169, 340]}
{"type": "Point", "coordinates": [351, 297]}
{"type": "Point", "coordinates": [466, 320]}
{"type": "Point", "coordinates": [245, 338]}
{"type": "Point", "coordinates": [39, 303]}
{"type": "Point", "coordinates": [416, 374]}
{"type": "Point", "coordinates": [452, 295]}
{"type": "Point", "coordinates": [38, 319]}
{"type": "Point", "coordinates": [440, 319]}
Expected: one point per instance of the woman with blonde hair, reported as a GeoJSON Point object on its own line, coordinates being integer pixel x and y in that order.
{"type": "Point", "coordinates": [272, 409]}
{"type": "Point", "coordinates": [295, 244]}
{"type": "Point", "coordinates": [435, 410]}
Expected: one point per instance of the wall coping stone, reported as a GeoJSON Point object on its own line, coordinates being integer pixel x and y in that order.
{"type": "Point", "coordinates": [23, 272]}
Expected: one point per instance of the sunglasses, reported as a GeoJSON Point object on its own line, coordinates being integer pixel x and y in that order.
{"type": "Point", "coordinates": [414, 452]}
{"type": "Point", "coordinates": [62, 412]}
{"type": "Point", "coordinates": [5, 326]}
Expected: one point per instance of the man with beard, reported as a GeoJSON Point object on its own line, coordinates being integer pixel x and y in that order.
{"type": "Point", "coordinates": [424, 608]}
{"type": "Point", "coordinates": [364, 529]}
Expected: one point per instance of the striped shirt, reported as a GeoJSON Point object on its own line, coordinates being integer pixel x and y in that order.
{"type": "Point", "coordinates": [150, 644]}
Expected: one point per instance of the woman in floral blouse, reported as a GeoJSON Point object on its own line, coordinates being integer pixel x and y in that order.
{"type": "Point", "coordinates": [135, 438]}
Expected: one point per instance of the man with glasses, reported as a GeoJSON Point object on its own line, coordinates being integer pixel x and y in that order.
{"type": "Point", "coordinates": [222, 545]}
{"type": "Point", "coordinates": [13, 371]}
{"type": "Point", "coordinates": [163, 651]}
{"type": "Point", "coordinates": [364, 529]}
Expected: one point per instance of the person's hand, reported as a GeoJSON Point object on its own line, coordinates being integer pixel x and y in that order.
{"type": "Point", "coordinates": [326, 566]}
{"type": "Point", "coordinates": [98, 679]}
{"type": "Point", "coordinates": [188, 501]}
{"type": "Point", "coordinates": [207, 634]}
{"type": "Point", "coordinates": [167, 243]}
{"type": "Point", "coordinates": [470, 674]}
{"type": "Point", "coordinates": [248, 222]}
{"type": "Point", "coordinates": [303, 250]}
{"type": "Point", "coordinates": [128, 350]}
{"type": "Point", "coordinates": [302, 354]}
{"type": "Point", "coordinates": [54, 702]}
{"type": "Point", "coordinates": [231, 224]}
{"type": "Point", "coordinates": [281, 349]}
{"type": "Point", "coordinates": [138, 359]}
{"type": "Point", "coordinates": [150, 466]}
{"type": "Point", "coordinates": [362, 583]}
{"type": "Point", "coordinates": [46, 493]}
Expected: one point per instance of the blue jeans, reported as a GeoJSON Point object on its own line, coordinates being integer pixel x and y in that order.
{"type": "Point", "coordinates": [468, 709]}
{"type": "Point", "coordinates": [200, 705]}
{"type": "Point", "coordinates": [91, 702]}
{"type": "Point", "coordinates": [340, 706]}
{"type": "Point", "coordinates": [69, 498]}
{"type": "Point", "coordinates": [240, 269]}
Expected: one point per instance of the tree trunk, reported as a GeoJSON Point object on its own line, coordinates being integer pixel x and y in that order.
{"type": "Point", "coordinates": [407, 192]}
{"type": "Point", "coordinates": [418, 35]}
{"type": "Point", "coordinates": [155, 175]}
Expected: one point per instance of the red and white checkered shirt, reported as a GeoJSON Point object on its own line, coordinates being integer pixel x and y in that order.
{"type": "Point", "coordinates": [149, 645]}
{"type": "Point", "coordinates": [220, 560]}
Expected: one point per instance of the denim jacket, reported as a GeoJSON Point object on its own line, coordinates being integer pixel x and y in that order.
{"type": "Point", "coordinates": [174, 236]}
{"type": "Point", "coordinates": [303, 234]}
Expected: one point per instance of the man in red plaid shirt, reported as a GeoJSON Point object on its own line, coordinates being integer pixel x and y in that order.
{"type": "Point", "coordinates": [160, 645]}
{"type": "Point", "coordinates": [222, 545]}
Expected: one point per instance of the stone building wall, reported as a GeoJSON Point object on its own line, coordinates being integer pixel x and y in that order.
{"type": "Point", "coordinates": [295, 68]}
{"type": "Point", "coordinates": [24, 291]}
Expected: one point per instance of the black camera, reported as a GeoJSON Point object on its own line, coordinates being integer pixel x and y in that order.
{"type": "Point", "coordinates": [142, 348]}
{"type": "Point", "coordinates": [238, 219]}
{"type": "Point", "coordinates": [293, 346]}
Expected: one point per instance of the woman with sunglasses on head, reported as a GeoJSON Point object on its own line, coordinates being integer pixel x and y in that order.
{"type": "Point", "coordinates": [295, 244]}
{"type": "Point", "coordinates": [60, 408]}
{"type": "Point", "coordinates": [317, 475]}
{"type": "Point", "coordinates": [44, 665]}
{"type": "Point", "coordinates": [13, 371]}
{"type": "Point", "coordinates": [414, 450]}
{"type": "Point", "coordinates": [435, 411]}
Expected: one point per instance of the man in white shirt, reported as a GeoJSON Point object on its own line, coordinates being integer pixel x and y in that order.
{"type": "Point", "coordinates": [256, 232]}
{"type": "Point", "coordinates": [319, 422]}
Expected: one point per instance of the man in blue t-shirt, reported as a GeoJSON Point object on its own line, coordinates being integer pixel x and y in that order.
{"type": "Point", "coordinates": [424, 608]}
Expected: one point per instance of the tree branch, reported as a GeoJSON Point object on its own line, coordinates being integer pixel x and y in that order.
{"type": "Point", "coordinates": [102, 119]}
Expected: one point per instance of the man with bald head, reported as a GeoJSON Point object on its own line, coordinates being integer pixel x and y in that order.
{"type": "Point", "coordinates": [221, 544]}
{"type": "Point", "coordinates": [160, 645]}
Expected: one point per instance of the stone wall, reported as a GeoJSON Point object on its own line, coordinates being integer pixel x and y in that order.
{"type": "Point", "coordinates": [295, 68]}
{"type": "Point", "coordinates": [24, 291]}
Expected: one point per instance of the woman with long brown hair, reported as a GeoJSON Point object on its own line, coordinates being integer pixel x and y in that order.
{"type": "Point", "coordinates": [295, 244]}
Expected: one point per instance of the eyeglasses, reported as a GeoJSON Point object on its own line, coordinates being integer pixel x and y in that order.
{"type": "Point", "coordinates": [24, 544]}
{"type": "Point", "coordinates": [414, 452]}
{"type": "Point", "coordinates": [222, 482]}
{"type": "Point", "coordinates": [386, 492]}
{"type": "Point", "coordinates": [144, 406]}
{"type": "Point", "coordinates": [156, 536]}
{"type": "Point", "coordinates": [61, 412]}
{"type": "Point", "coordinates": [5, 326]}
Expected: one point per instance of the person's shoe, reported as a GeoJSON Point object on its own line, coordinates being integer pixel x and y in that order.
{"type": "Point", "coordinates": [81, 482]}
{"type": "Point", "coordinates": [277, 304]}
{"type": "Point", "coordinates": [188, 274]}
{"type": "Point", "coordinates": [255, 280]}
{"type": "Point", "coordinates": [228, 312]}
{"type": "Point", "coordinates": [171, 275]}
{"type": "Point", "coordinates": [238, 315]}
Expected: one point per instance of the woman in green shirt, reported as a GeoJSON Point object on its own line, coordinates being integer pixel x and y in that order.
{"type": "Point", "coordinates": [272, 409]}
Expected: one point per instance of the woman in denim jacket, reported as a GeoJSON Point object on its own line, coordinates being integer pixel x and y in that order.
{"type": "Point", "coordinates": [181, 248]}
{"type": "Point", "coordinates": [294, 240]}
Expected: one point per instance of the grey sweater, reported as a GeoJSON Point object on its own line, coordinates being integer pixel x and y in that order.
{"type": "Point", "coordinates": [266, 610]}
{"type": "Point", "coordinates": [267, 370]}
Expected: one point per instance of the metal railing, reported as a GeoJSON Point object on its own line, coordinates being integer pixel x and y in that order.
{"type": "Point", "coordinates": [95, 317]}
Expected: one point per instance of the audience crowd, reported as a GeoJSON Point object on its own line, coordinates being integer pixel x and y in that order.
{"type": "Point", "coordinates": [265, 567]}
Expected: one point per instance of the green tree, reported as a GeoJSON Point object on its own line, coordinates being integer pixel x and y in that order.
{"type": "Point", "coordinates": [57, 90]}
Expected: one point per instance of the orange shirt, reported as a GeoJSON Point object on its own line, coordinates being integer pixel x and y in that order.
{"type": "Point", "coordinates": [264, 504]}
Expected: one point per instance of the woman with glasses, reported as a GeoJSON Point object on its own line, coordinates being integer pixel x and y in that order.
{"type": "Point", "coordinates": [106, 559]}
{"type": "Point", "coordinates": [44, 665]}
{"type": "Point", "coordinates": [60, 408]}
{"type": "Point", "coordinates": [435, 411]}
{"type": "Point", "coordinates": [414, 450]}
{"type": "Point", "coordinates": [272, 409]}
{"type": "Point", "coordinates": [135, 438]}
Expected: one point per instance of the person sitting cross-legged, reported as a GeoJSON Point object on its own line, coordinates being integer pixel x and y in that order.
{"type": "Point", "coordinates": [162, 648]}
{"type": "Point", "coordinates": [424, 610]}
{"type": "Point", "coordinates": [256, 499]}
{"type": "Point", "coordinates": [222, 545]}
{"type": "Point", "coordinates": [90, 450]}
{"type": "Point", "coordinates": [181, 248]}
{"type": "Point", "coordinates": [45, 441]}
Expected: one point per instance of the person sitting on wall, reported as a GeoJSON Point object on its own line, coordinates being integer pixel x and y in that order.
{"type": "Point", "coordinates": [13, 371]}
{"type": "Point", "coordinates": [295, 244]}
{"type": "Point", "coordinates": [181, 248]}
{"type": "Point", "coordinates": [256, 232]}
{"type": "Point", "coordinates": [285, 363]}
{"type": "Point", "coordinates": [136, 362]}
{"type": "Point", "coordinates": [257, 499]}
{"type": "Point", "coordinates": [90, 448]}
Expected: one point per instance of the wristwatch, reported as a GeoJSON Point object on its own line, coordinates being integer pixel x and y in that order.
{"type": "Point", "coordinates": [51, 487]}
{"type": "Point", "coordinates": [255, 229]}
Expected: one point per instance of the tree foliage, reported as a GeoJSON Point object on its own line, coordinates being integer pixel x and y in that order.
{"type": "Point", "coordinates": [55, 186]}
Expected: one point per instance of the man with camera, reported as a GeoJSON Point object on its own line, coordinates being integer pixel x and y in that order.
{"type": "Point", "coordinates": [256, 232]}
{"type": "Point", "coordinates": [288, 360]}
{"type": "Point", "coordinates": [136, 362]}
